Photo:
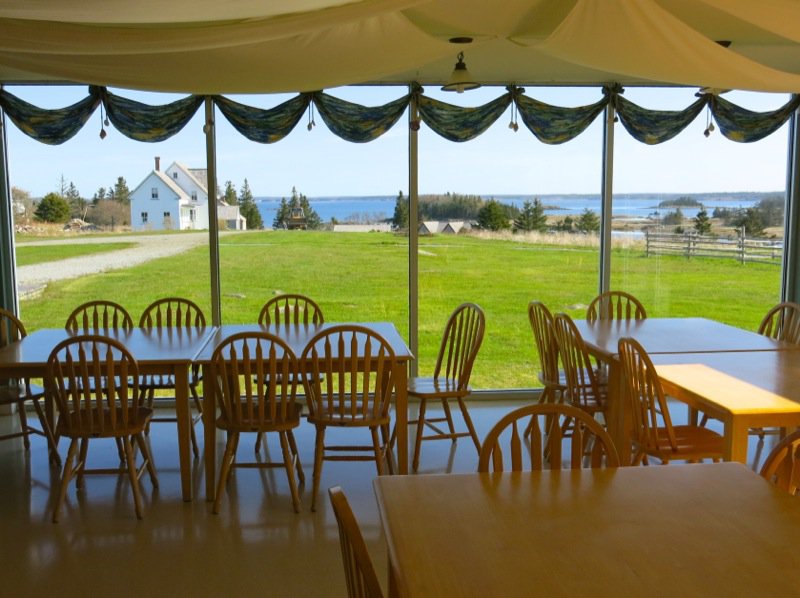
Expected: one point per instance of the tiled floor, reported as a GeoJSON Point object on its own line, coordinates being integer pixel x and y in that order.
{"type": "Point", "coordinates": [256, 546]}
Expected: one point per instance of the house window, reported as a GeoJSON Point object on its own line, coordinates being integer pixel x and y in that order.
{"type": "Point", "coordinates": [144, 217]}
{"type": "Point", "coordinates": [194, 195]}
{"type": "Point", "coordinates": [167, 215]}
{"type": "Point", "coordinates": [192, 216]}
{"type": "Point", "coordinates": [175, 175]}
{"type": "Point", "coordinates": [154, 193]}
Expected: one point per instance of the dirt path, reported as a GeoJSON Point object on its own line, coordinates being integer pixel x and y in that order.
{"type": "Point", "coordinates": [32, 279]}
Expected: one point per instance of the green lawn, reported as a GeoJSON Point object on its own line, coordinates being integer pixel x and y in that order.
{"type": "Point", "coordinates": [364, 276]}
{"type": "Point", "coordinates": [36, 254]}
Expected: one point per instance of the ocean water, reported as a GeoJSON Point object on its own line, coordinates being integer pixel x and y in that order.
{"type": "Point", "coordinates": [377, 208]}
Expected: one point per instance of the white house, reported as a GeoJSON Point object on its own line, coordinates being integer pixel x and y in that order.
{"type": "Point", "coordinates": [177, 199]}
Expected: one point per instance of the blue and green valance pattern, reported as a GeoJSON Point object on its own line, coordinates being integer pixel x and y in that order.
{"type": "Point", "coordinates": [260, 125]}
{"type": "Point", "coordinates": [554, 125]}
{"type": "Point", "coordinates": [52, 127]}
{"type": "Point", "coordinates": [356, 123]}
{"type": "Point", "coordinates": [655, 126]}
{"type": "Point", "coordinates": [149, 123]}
{"type": "Point", "coordinates": [456, 123]}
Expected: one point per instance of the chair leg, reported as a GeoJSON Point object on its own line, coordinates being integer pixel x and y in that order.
{"type": "Point", "coordinates": [420, 429]}
{"type": "Point", "coordinates": [225, 468]}
{"type": "Point", "coordinates": [148, 456]}
{"type": "Point", "coordinates": [66, 476]}
{"type": "Point", "coordinates": [81, 462]}
{"type": "Point", "coordinates": [301, 476]}
{"type": "Point", "coordinates": [23, 425]}
{"type": "Point", "coordinates": [449, 417]}
{"type": "Point", "coordinates": [387, 449]}
{"type": "Point", "coordinates": [376, 447]}
{"type": "Point", "coordinates": [319, 454]}
{"type": "Point", "coordinates": [288, 458]}
{"type": "Point", "coordinates": [193, 436]}
{"type": "Point", "coordinates": [133, 475]}
{"type": "Point", "coordinates": [470, 427]}
{"type": "Point", "coordinates": [52, 444]}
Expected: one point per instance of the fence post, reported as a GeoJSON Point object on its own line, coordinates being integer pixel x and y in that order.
{"type": "Point", "coordinates": [741, 244]}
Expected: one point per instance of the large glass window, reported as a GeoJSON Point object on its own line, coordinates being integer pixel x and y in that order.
{"type": "Point", "coordinates": [502, 270]}
{"type": "Point", "coordinates": [698, 220]}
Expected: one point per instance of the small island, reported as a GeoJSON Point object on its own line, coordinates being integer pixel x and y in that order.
{"type": "Point", "coordinates": [680, 202]}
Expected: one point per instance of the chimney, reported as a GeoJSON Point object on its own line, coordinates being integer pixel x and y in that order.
{"type": "Point", "coordinates": [158, 163]}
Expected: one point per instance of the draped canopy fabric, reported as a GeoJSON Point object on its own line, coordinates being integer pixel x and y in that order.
{"type": "Point", "coordinates": [206, 47]}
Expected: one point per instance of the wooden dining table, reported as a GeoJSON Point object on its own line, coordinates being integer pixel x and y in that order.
{"type": "Point", "coordinates": [743, 389]}
{"type": "Point", "coordinates": [714, 529]}
{"type": "Point", "coordinates": [158, 351]}
{"type": "Point", "coordinates": [297, 337]}
{"type": "Point", "coordinates": [662, 336]}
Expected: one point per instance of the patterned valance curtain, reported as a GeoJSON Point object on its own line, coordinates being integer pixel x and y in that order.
{"type": "Point", "coordinates": [356, 123]}
{"type": "Point", "coordinates": [149, 123]}
{"type": "Point", "coordinates": [456, 123]}
{"type": "Point", "coordinates": [261, 125]}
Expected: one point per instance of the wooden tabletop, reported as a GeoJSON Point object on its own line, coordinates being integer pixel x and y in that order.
{"type": "Point", "coordinates": [297, 336]}
{"type": "Point", "coordinates": [675, 335]}
{"type": "Point", "coordinates": [700, 530]}
{"type": "Point", "coordinates": [149, 346]}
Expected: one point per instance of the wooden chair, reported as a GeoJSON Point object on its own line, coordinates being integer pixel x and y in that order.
{"type": "Point", "coordinates": [254, 374]}
{"type": "Point", "coordinates": [290, 309]}
{"type": "Point", "coordinates": [586, 388]}
{"type": "Point", "coordinates": [554, 381]}
{"type": "Point", "coordinates": [653, 432]}
{"type": "Point", "coordinates": [362, 582]}
{"type": "Point", "coordinates": [173, 312]}
{"type": "Point", "coordinates": [782, 322]}
{"type": "Point", "coordinates": [463, 335]}
{"type": "Point", "coordinates": [589, 442]}
{"type": "Point", "coordinates": [615, 305]}
{"type": "Point", "coordinates": [96, 316]}
{"type": "Point", "coordinates": [19, 391]}
{"type": "Point", "coordinates": [782, 465]}
{"type": "Point", "coordinates": [94, 382]}
{"type": "Point", "coordinates": [348, 375]}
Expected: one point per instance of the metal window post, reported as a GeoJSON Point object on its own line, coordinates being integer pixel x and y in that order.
{"type": "Point", "coordinates": [413, 232]}
{"type": "Point", "coordinates": [790, 283]}
{"type": "Point", "coordinates": [213, 222]}
{"type": "Point", "coordinates": [606, 199]}
{"type": "Point", "coordinates": [8, 265]}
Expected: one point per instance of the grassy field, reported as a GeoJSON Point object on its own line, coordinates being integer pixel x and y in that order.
{"type": "Point", "coordinates": [364, 276]}
{"type": "Point", "coordinates": [37, 254]}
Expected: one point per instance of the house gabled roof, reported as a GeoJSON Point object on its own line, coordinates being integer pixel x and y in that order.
{"type": "Point", "coordinates": [172, 185]}
{"type": "Point", "coordinates": [192, 173]}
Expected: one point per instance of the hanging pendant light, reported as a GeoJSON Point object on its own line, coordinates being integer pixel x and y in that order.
{"type": "Point", "coordinates": [460, 81]}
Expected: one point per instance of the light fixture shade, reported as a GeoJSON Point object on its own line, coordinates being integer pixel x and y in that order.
{"type": "Point", "coordinates": [460, 81]}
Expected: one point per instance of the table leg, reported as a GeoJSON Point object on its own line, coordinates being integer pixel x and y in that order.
{"type": "Point", "coordinates": [736, 440]}
{"type": "Point", "coordinates": [209, 433]}
{"type": "Point", "coordinates": [619, 419]}
{"type": "Point", "coordinates": [401, 416]}
{"type": "Point", "coordinates": [182, 414]}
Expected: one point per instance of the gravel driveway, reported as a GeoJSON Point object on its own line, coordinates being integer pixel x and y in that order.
{"type": "Point", "coordinates": [31, 279]}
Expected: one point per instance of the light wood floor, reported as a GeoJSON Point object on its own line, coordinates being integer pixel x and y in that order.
{"type": "Point", "coordinates": [256, 546]}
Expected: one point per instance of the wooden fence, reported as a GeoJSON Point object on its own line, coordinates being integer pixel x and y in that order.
{"type": "Point", "coordinates": [767, 251]}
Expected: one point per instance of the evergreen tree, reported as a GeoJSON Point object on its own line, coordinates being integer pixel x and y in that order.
{"type": "Point", "coordinates": [752, 222]}
{"type": "Point", "coordinates": [121, 192]}
{"type": "Point", "coordinates": [248, 207]}
{"type": "Point", "coordinates": [53, 208]}
{"type": "Point", "coordinates": [531, 217]}
{"type": "Point", "coordinates": [702, 223]}
{"type": "Point", "coordinates": [565, 224]}
{"type": "Point", "coordinates": [400, 218]}
{"type": "Point", "coordinates": [588, 222]}
{"type": "Point", "coordinates": [98, 195]}
{"type": "Point", "coordinates": [230, 194]}
{"type": "Point", "coordinates": [282, 214]}
{"type": "Point", "coordinates": [493, 217]}
{"type": "Point", "coordinates": [295, 202]}
{"type": "Point", "coordinates": [78, 206]}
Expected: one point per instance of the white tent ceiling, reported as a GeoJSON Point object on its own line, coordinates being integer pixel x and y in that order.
{"type": "Point", "coordinates": [262, 46]}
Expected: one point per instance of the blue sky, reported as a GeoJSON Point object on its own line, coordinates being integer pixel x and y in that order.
{"type": "Point", "coordinates": [498, 162]}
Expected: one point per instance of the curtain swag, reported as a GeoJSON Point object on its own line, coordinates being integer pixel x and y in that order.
{"type": "Point", "coordinates": [360, 124]}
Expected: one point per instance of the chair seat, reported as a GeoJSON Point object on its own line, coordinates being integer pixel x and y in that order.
{"type": "Point", "coordinates": [693, 442]}
{"type": "Point", "coordinates": [435, 388]}
{"type": "Point", "coordinates": [292, 420]}
{"type": "Point", "coordinates": [80, 421]}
